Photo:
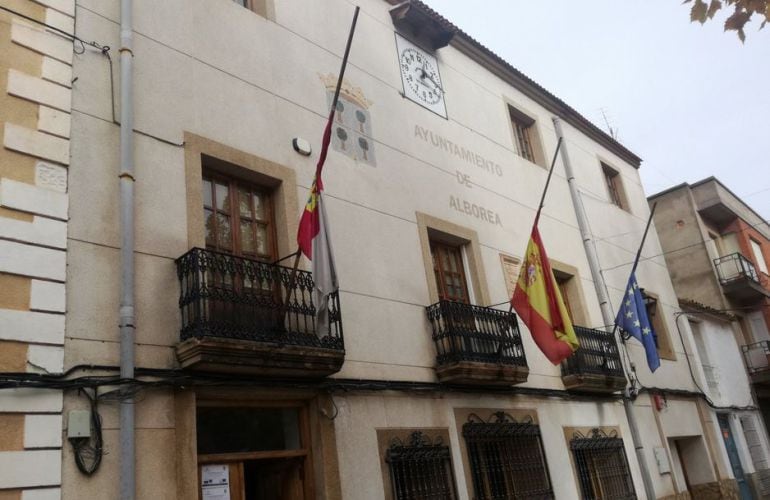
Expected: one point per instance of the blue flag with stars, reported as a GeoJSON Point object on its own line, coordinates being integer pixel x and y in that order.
{"type": "Point", "coordinates": [632, 318]}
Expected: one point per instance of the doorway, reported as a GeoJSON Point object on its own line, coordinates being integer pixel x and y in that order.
{"type": "Point", "coordinates": [732, 453]}
{"type": "Point", "coordinates": [256, 452]}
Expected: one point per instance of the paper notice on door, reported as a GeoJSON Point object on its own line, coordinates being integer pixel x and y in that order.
{"type": "Point", "coordinates": [216, 493]}
{"type": "Point", "coordinates": [215, 481]}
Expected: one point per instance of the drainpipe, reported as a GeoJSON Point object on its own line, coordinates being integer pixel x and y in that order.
{"type": "Point", "coordinates": [127, 322]}
{"type": "Point", "coordinates": [601, 292]}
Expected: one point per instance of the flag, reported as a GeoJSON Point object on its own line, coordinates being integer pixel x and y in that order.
{"type": "Point", "coordinates": [314, 241]}
{"type": "Point", "coordinates": [632, 318]}
{"type": "Point", "coordinates": [539, 304]}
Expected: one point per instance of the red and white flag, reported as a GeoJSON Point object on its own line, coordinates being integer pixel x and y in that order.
{"type": "Point", "coordinates": [314, 241]}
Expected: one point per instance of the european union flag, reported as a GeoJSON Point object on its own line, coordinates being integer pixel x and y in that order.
{"type": "Point", "coordinates": [632, 318]}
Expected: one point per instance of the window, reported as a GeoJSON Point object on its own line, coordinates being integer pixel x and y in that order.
{"type": "Point", "coordinates": [614, 186]}
{"type": "Point", "coordinates": [507, 459]}
{"type": "Point", "coordinates": [759, 257]}
{"type": "Point", "coordinates": [562, 281]}
{"type": "Point", "coordinates": [525, 136]}
{"type": "Point", "coordinates": [601, 466]}
{"type": "Point", "coordinates": [568, 280]}
{"type": "Point", "coordinates": [420, 468]}
{"type": "Point", "coordinates": [450, 272]}
{"type": "Point", "coordinates": [658, 324]}
{"type": "Point", "coordinates": [258, 6]}
{"type": "Point", "coordinates": [238, 218]}
{"type": "Point", "coordinates": [265, 451]}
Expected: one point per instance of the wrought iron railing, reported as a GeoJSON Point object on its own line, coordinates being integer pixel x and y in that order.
{"type": "Point", "coordinates": [464, 332]}
{"type": "Point", "coordinates": [598, 354]}
{"type": "Point", "coordinates": [507, 458]}
{"type": "Point", "coordinates": [757, 356]}
{"type": "Point", "coordinates": [239, 298]}
{"type": "Point", "coordinates": [602, 465]}
{"type": "Point", "coordinates": [735, 267]}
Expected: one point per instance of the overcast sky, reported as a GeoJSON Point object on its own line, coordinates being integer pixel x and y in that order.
{"type": "Point", "coordinates": [690, 100]}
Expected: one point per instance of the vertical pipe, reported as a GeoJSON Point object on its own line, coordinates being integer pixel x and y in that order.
{"type": "Point", "coordinates": [127, 333]}
{"type": "Point", "coordinates": [601, 293]}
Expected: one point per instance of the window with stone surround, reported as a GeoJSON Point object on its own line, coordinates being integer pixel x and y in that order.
{"type": "Point", "coordinates": [507, 458]}
{"type": "Point", "coordinates": [614, 185]}
{"type": "Point", "coordinates": [418, 464]}
{"type": "Point", "coordinates": [525, 136]}
{"type": "Point", "coordinates": [601, 465]}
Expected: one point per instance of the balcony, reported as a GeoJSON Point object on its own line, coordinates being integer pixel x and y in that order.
{"type": "Point", "coordinates": [757, 359]}
{"type": "Point", "coordinates": [595, 367]}
{"type": "Point", "coordinates": [237, 317]}
{"type": "Point", "coordinates": [739, 279]}
{"type": "Point", "coordinates": [477, 345]}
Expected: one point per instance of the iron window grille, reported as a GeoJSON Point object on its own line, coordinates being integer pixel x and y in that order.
{"type": "Point", "coordinates": [239, 298]}
{"type": "Point", "coordinates": [421, 468]}
{"type": "Point", "coordinates": [464, 332]}
{"type": "Point", "coordinates": [598, 354]}
{"type": "Point", "coordinates": [602, 466]}
{"type": "Point", "coordinates": [507, 458]}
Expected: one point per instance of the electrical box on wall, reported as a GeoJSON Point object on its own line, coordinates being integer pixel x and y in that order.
{"type": "Point", "coordinates": [661, 457]}
{"type": "Point", "coordinates": [79, 424]}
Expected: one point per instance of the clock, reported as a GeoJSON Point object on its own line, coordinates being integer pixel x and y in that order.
{"type": "Point", "coordinates": [420, 76]}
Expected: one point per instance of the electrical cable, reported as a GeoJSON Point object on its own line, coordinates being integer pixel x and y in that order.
{"type": "Point", "coordinates": [750, 226]}
{"type": "Point", "coordinates": [88, 451]}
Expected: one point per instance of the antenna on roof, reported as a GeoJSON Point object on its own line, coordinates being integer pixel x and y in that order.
{"type": "Point", "coordinates": [612, 131]}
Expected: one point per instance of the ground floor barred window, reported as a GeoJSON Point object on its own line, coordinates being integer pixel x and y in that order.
{"type": "Point", "coordinates": [602, 466]}
{"type": "Point", "coordinates": [506, 457]}
{"type": "Point", "coordinates": [420, 468]}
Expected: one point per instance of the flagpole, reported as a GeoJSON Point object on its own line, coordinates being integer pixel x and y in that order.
{"type": "Point", "coordinates": [547, 181]}
{"type": "Point", "coordinates": [644, 237]}
{"type": "Point", "coordinates": [320, 164]}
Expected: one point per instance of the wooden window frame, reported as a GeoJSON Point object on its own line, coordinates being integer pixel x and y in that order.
{"type": "Point", "coordinates": [659, 327]}
{"type": "Point", "coordinates": [570, 285]}
{"type": "Point", "coordinates": [234, 186]}
{"type": "Point", "coordinates": [440, 269]}
{"type": "Point", "coordinates": [613, 182]}
{"type": "Point", "coordinates": [305, 441]}
{"type": "Point", "coordinates": [429, 228]}
{"type": "Point", "coordinates": [526, 138]}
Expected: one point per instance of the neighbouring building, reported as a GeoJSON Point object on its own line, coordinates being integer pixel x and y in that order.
{"type": "Point", "coordinates": [439, 155]}
{"type": "Point", "coordinates": [718, 249]}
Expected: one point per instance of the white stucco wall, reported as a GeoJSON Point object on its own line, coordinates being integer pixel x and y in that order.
{"type": "Point", "coordinates": [221, 72]}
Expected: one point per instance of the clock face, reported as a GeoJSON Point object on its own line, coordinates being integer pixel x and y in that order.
{"type": "Point", "coordinates": [420, 76]}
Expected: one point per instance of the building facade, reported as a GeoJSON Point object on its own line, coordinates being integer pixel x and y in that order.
{"type": "Point", "coordinates": [440, 153]}
{"type": "Point", "coordinates": [715, 248]}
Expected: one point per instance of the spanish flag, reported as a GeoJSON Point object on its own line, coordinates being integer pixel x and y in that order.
{"type": "Point", "coordinates": [539, 304]}
{"type": "Point", "coordinates": [314, 241]}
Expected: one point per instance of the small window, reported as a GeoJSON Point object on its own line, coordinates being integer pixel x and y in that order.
{"type": "Point", "coordinates": [602, 466]}
{"type": "Point", "coordinates": [257, 6]}
{"type": "Point", "coordinates": [658, 324]}
{"type": "Point", "coordinates": [614, 186]}
{"type": "Point", "coordinates": [525, 136]}
{"type": "Point", "coordinates": [450, 272]}
{"type": "Point", "coordinates": [507, 458]}
{"type": "Point", "coordinates": [420, 468]}
{"type": "Point", "coordinates": [759, 257]}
